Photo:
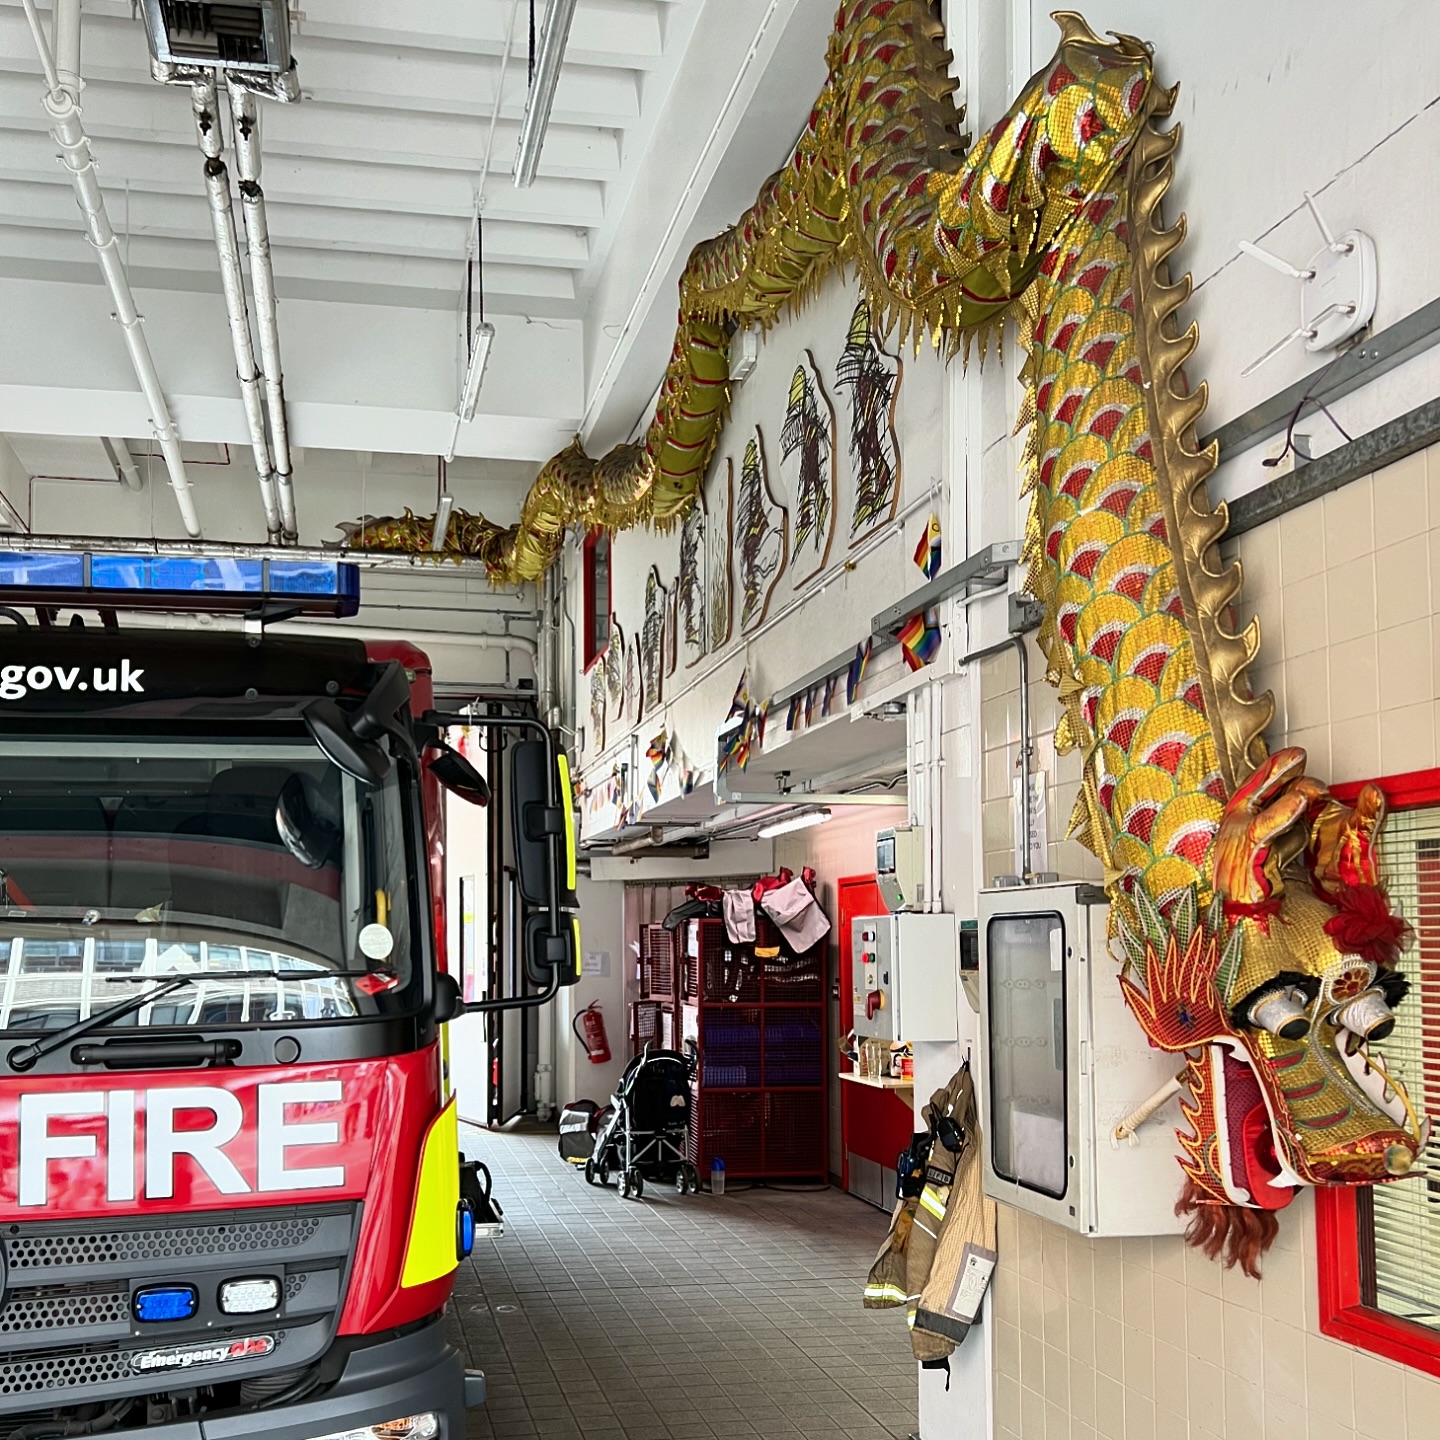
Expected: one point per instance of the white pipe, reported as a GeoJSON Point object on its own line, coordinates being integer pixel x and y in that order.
{"type": "Point", "coordinates": [262, 283]}
{"type": "Point", "coordinates": [74, 144]}
{"type": "Point", "coordinates": [66, 28]}
{"type": "Point", "coordinates": [130, 475]}
{"type": "Point", "coordinates": [203, 100]}
{"type": "Point", "coordinates": [515, 644]}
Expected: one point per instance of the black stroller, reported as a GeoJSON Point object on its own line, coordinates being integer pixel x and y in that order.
{"type": "Point", "coordinates": [646, 1136]}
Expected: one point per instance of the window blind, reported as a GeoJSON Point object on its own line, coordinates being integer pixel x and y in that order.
{"type": "Point", "coordinates": [1406, 1227]}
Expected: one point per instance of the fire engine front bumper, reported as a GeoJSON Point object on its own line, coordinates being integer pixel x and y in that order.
{"type": "Point", "coordinates": [418, 1373]}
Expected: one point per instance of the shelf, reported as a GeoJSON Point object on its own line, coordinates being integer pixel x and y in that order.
{"type": "Point", "coordinates": [877, 1082]}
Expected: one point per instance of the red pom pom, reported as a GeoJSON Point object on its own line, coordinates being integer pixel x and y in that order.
{"type": "Point", "coordinates": [1364, 924]}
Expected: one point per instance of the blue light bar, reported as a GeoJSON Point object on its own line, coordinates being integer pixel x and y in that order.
{"type": "Point", "coordinates": [183, 582]}
{"type": "Point", "coordinates": [159, 1303]}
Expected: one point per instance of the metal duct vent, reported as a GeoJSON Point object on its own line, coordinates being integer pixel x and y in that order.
{"type": "Point", "coordinates": [252, 35]}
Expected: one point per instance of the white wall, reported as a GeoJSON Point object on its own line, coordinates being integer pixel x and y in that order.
{"type": "Point", "coordinates": [602, 933]}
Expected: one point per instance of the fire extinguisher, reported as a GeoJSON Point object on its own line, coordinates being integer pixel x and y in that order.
{"type": "Point", "coordinates": [597, 1046]}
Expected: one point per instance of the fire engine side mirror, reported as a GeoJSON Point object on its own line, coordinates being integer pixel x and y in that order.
{"type": "Point", "coordinates": [448, 1001]}
{"type": "Point", "coordinates": [459, 776]}
{"type": "Point", "coordinates": [353, 741]}
{"type": "Point", "coordinates": [542, 830]}
{"type": "Point", "coordinates": [552, 957]}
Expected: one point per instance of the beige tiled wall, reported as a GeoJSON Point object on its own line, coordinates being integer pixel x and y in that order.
{"type": "Point", "coordinates": [1144, 1340]}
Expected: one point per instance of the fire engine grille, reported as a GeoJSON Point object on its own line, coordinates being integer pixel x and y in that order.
{"type": "Point", "coordinates": [63, 1372]}
{"type": "Point", "coordinates": [58, 1308]}
{"type": "Point", "coordinates": [145, 1247]}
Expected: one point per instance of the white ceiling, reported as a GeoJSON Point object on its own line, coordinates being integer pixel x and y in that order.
{"type": "Point", "coordinates": [668, 115]}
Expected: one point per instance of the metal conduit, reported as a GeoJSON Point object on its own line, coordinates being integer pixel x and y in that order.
{"type": "Point", "coordinates": [246, 134]}
{"type": "Point", "coordinates": [204, 102]}
{"type": "Point", "coordinates": [69, 134]}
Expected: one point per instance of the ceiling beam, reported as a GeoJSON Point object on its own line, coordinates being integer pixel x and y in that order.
{"type": "Point", "coordinates": [51, 206]}
{"type": "Point", "coordinates": [117, 111]}
{"type": "Point", "coordinates": [357, 377]}
{"type": "Point", "coordinates": [377, 76]}
{"type": "Point", "coordinates": [174, 169]}
{"type": "Point", "coordinates": [625, 33]}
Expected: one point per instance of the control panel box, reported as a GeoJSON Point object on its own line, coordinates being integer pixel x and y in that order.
{"type": "Point", "coordinates": [1064, 1062]}
{"type": "Point", "coordinates": [900, 866]}
{"type": "Point", "coordinates": [905, 979]}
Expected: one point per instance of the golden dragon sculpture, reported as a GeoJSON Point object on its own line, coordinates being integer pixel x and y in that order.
{"type": "Point", "coordinates": [1259, 940]}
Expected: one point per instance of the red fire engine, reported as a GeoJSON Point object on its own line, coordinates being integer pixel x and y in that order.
{"type": "Point", "coordinates": [232, 1200]}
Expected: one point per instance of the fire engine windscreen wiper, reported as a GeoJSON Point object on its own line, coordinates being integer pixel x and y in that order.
{"type": "Point", "coordinates": [23, 1057]}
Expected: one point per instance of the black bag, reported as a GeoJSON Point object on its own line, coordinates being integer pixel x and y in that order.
{"type": "Point", "coordinates": [579, 1121]}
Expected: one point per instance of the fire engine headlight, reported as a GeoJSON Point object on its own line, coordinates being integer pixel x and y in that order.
{"type": "Point", "coordinates": [408, 1427]}
{"type": "Point", "coordinates": [250, 1296]}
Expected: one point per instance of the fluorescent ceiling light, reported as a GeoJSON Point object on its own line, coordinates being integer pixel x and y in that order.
{"type": "Point", "coordinates": [536, 119]}
{"type": "Point", "coordinates": [802, 820]}
{"type": "Point", "coordinates": [441, 527]}
{"type": "Point", "coordinates": [475, 375]}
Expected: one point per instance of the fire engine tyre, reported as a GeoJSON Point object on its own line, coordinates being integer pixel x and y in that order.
{"type": "Point", "coordinates": [407, 1376]}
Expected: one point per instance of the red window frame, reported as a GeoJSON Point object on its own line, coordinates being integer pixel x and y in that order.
{"type": "Point", "coordinates": [593, 645]}
{"type": "Point", "coordinates": [1340, 1210]}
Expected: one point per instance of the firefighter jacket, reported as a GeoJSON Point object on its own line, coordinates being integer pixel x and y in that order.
{"type": "Point", "coordinates": [940, 1252]}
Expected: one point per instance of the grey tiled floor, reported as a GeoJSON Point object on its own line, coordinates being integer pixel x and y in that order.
{"type": "Point", "coordinates": [694, 1317]}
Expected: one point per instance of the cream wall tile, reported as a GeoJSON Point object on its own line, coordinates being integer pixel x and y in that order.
{"type": "Point", "coordinates": [1402, 581]}
{"type": "Point", "coordinates": [1109, 1292]}
{"type": "Point", "coordinates": [1302, 543]}
{"type": "Point", "coordinates": [1136, 1250]}
{"type": "Point", "coordinates": [1207, 1395]}
{"type": "Point", "coordinates": [1057, 1317]}
{"type": "Point", "coordinates": [1322, 1428]}
{"type": "Point", "coordinates": [1007, 1404]}
{"type": "Point", "coordinates": [1285, 1361]}
{"type": "Point", "coordinates": [1170, 1426]}
{"type": "Point", "coordinates": [1379, 1394]}
{"type": "Point", "coordinates": [1399, 499]}
{"type": "Point", "coordinates": [1206, 1328]}
{"type": "Point", "coordinates": [1243, 1341]}
{"type": "Point", "coordinates": [1139, 1362]}
{"type": "Point", "coordinates": [1316, 744]}
{"type": "Point", "coordinates": [1057, 1377]}
{"type": "Point", "coordinates": [1307, 691]}
{"type": "Point", "coordinates": [1032, 1307]}
{"type": "Point", "coordinates": [1032, 1362]}
{"type": "Point", "coordinates": [1350, 604]}
{"type": "Point", "coordinates": [1329, 1380]}
{"type": "Point", "coordinates": [1407, 738]}
{"type": "Point", "coordinates": [1082, 1391]}
{"type": "Point", "coordinates": [1271, 678]}
{"type": "Point", "coordinates": [1306, 621]}
{"type": "Point", "coordinates": [1109, 1347]}
{"type": "Point", "coordinates": [1079, 1270]}
{"type": "Point", "coordinates": [1284, 1420]}
{"type": "Point", "coordinates": [1171, 1381]}
{"type": "Point", "coordinates": [1168, 1257]}
{"type": "Point", "coordinates": [1082, 1333]}
{"type": "Point", "coordinates": [1032, 1412]}
{"type": "Point", "coordinates": [1139, 1417]}
{"type": "Point", "coordinates": [1007, 1349]}
{"type": "Point", "coordinates": [1407, 664]}
{"type": "Point", "coordinates": [1349, 522]}
{"type": "Point", "coordinates": [1081, 1432]}
{"type": "Point", "coordinates": [1355, 748]}
{"type": "Point", "coordinates": [1109, 1408]}
{"type": "Point", "coordinates": [1422, 1404]}
{"type": "Point", "coordinates": [1137, 1297]}
{"type": "Point", "coordinates": [1057, 1422]}
{"type": "Point", "coordinates": [1170, 1305]}
{"type": "Point", "coordinates": [1052, 1256]}
{"type": "Point", "coordinates": [1237, 1288]}
{"type": "Point", "coordinates": [1354, 679]}
{"type": "Point", "coordinates": [1244, 1410]}
{"type": "Point", "coordinates": [1282, 1291]}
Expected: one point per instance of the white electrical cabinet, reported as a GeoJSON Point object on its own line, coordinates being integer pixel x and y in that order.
{"type": "Point", "coordinates": [905, 976]}
{"type": "Point", "coordinates": [1064, 1062]}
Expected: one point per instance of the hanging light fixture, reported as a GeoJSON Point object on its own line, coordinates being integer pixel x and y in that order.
{"type": "Point", "coordinates": [544, 77]}
{"type": "Point", "coordinates": [479, 337]}
{"type": "Point", "coordinates": [801, 820]}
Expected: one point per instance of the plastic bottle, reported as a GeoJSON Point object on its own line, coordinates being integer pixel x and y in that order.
{"type": "Point", "coordinates": [717, 1177]}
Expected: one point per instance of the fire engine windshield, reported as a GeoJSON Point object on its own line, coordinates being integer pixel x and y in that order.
{"type": "Point", "coordinates": [121, 860]}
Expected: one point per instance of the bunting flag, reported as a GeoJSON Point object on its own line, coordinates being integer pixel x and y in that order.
{"type": "Point", "coordinates": [809, 705]}
{"type": "Point", "coordinates": [857, 670]}
{"type": "Point", "coordinates": [920, 638]}
{"type": "Point", "coordinates": [793, 718]}
{"type": "Point", "coordinates": [831, 684]}
{"type": "Point", "coordinates": [927, 552]}
{"type": "Point", "coordinates": [657, 753]}
{"type": "Point", "coordinates": [736, 745]}
{"type": "Point", "coordinates": [741, 703]}
{"type": "Point", "coordinates": [761, 716]}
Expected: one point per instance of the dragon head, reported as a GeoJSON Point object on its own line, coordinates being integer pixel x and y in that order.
{"type": "Point", "coordinates": [1276, 996]}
